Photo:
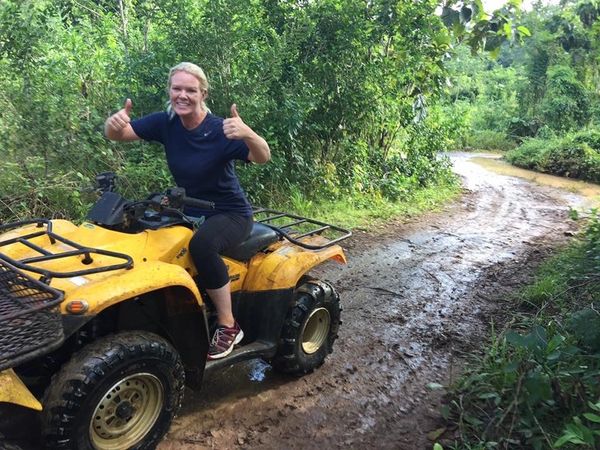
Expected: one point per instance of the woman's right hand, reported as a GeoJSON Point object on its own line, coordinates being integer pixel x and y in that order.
{"type": "Point", "coordinates": [120, 119]}
{"type": "Point", "coordinates": [117, 127]}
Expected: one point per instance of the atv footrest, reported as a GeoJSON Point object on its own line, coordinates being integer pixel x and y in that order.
{"type": "Point", "coordinates": [255, 350]}
{"type": "Point", "coordinates": [30, 321]}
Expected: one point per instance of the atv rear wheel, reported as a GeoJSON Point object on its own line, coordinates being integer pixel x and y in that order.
{"type": "Point", "coordinates": [120, 392]}
{"type": "Point", "coordinates": [310, 328]}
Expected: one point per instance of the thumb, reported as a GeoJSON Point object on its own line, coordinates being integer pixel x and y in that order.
{"type": "Point", "coordinates": [234, 112]}
{"type": "Point", "coordinates": [128, 106]}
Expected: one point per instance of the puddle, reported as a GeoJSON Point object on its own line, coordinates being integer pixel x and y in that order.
{"type": "Point", "coordinates": [590, 191]}
{"type": "Point", "coordinates": [258, 370]}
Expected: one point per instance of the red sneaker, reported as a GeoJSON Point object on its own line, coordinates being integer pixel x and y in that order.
{"type": "Point", "coordinates": [223, 341]}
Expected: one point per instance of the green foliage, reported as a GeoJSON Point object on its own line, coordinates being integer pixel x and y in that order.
{"type": "Point", "coordinates": [29, 193]}
{"type": "Point", "coordinates": [367, 211]}
{"type": "Point", "coordinates": [585, 327]}
{"type": "Point", "coordinates": [546, 87]}
{"type": "Point", "coordinates": [532, 154]}
{"type": "Point", "coordinates": [483, 30]}
{"type": "Point", "coordinates": [339, 88]}
{"type": "Point", "coordinates": [489, 140]}
{"type": "Point", "coordinates": [590, 137]}
{"type": "Point", "coordinates": [580, 433]}
{"type": "Point", "coordinates": [574, 160]}
{"type": "Point", "coordinates": [574, 155]}
{"type": "Point", "coordinates": [536, 386]}
{"type": "Point", "coordinates": [566, 103]}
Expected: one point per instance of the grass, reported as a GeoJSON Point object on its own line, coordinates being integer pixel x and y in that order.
{"type": "Point", "coordinates": [367, 213]}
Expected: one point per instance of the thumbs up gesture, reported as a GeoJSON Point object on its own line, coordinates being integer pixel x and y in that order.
{"type": "Point", "coordinates": [121, 118]}
{"type": "Point", "coordinates": [234, 127]}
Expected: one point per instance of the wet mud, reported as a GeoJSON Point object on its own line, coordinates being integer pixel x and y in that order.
{"type": "Point", "coordinates": [418, 298]}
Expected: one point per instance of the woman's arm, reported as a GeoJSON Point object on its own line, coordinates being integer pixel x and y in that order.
{"type": "Point", "coordinates": [235, 128]}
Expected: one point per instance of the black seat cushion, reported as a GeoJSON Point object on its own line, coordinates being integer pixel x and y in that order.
{"type": "Point", "coordinates": [260, 238]}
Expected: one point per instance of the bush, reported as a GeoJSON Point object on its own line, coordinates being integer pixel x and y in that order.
{"type": "Point", "coordinates": [520, 128]}
{"type": "Point", "coordinates": [574, 160]}
{"type": "Point", "coordinates": [576, 155]}
{"type": "Point", "coordinates": [590, 137]}
{"type": "Point", "coordinates": [489, 140]}
{"type": "Point", "coordinates": [532, 154]}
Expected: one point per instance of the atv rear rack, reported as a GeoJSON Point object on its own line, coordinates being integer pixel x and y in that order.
{"type": "Point", "coordinates": [294, 228]}
{"type": "Point", "coordinates": [30, 321]}
{"type": "Point", "coordinates": [28, 264]}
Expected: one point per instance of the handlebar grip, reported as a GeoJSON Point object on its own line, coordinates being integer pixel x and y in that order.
{"type": "Point", "coordinates": [196, 203]}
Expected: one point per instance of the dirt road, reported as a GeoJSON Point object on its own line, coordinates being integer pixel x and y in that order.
{"type": "Point", "coordinates": [418, 298]}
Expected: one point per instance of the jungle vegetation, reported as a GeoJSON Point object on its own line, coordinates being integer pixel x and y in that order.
{"type": "Point", "coordinates": [346, 92]}
{"type": "Point", "coordinates": [334, 86]}
{"type": "Point", "coordinates": [535, 386]}
{"type": "Point", "coordinates": [538, 101]}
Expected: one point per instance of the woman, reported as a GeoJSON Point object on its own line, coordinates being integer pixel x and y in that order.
{"type": "Point", "coordinates": [201, 149]}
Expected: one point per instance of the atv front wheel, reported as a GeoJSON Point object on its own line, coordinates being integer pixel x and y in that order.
{"type": "Point", "coordinates": [310, 328]}
{"type": "Point", "coordinates": [120, 392]}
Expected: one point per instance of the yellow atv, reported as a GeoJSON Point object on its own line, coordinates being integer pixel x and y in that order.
{"type": "Point", "coordinates": [109, 316]}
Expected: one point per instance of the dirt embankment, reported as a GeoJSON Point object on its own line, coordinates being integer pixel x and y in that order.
{"type": "Point", "coordinates": [418, 298]}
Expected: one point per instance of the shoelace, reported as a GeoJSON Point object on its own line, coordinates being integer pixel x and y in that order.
{"type": "Point", "coordinates": [218, 333]}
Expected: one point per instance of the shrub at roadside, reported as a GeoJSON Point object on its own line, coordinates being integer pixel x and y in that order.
{"type": "Point", "coordinates": [575, 160]}
{"type": "Point", "coordinates": [576, 155]}
{"type": "Point", "coordinates": [532, 154]}
{"type": "Point", "coordinates": [537, 384]}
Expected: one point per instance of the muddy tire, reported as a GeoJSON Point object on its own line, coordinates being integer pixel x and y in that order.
{"type": "Point", "coordinates": [310, 328]}
{"type": "Point", "coordinates": [120, 392]}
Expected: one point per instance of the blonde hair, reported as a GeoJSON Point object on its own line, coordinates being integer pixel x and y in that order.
{"type": "Point", "coordinates": [193, 70]}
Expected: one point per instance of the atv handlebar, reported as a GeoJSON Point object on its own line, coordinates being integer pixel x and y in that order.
{"type": "Point", "coordinates": [115, 211]}
{"type": "Point", "coordinates": [176, 197]}
{"type": "Point", "coordinates": [195, 203]}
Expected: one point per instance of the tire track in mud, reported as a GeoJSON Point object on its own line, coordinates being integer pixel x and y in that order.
{"type": "Point", "coordinates": [418, 298]}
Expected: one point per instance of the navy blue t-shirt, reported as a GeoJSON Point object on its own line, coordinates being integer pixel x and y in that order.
{"type": "Point", "coordinates": [201, 160]}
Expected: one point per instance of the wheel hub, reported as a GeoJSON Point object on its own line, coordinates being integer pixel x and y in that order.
{"type": "Point", "coordinates": [316, 330]}
{"type": "Point", "coordinates": [127, 412]}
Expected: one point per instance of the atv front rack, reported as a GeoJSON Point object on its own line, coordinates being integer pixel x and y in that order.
{"type": "Point", "coordinates": [30, 321]}
{"type": "Point", "coordinates": [296, 228]}
{"type": "Point", "coordinates": [31, 264]}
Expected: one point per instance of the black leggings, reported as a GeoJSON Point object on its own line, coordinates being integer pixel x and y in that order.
{"type": "Point", "coordinates": [218, 233]}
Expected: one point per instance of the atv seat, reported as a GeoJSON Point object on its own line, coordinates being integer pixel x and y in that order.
{"type": "Point", "coordinates": [260, 238]}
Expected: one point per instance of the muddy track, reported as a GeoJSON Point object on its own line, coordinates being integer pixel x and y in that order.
{"type": "Point", "coordinates": [418, 299]}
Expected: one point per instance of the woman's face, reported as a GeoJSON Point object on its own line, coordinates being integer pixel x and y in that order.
{"type": "Point", "coordinates": [186, 94]}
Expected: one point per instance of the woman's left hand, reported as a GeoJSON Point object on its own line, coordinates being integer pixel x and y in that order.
{"type": "Point", "coordinates": [234, 127]}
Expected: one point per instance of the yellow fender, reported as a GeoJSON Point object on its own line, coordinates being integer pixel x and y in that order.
{"type": "Point", "coordinates": [144, 277]}
{"type": "Point", "coordinates": [283, 268]}
{"type": "Point", "coordinates": [12, 390]}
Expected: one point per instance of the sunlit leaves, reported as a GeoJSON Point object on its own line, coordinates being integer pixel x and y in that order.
{"type": "Point", "coordinates": [483, 30]}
